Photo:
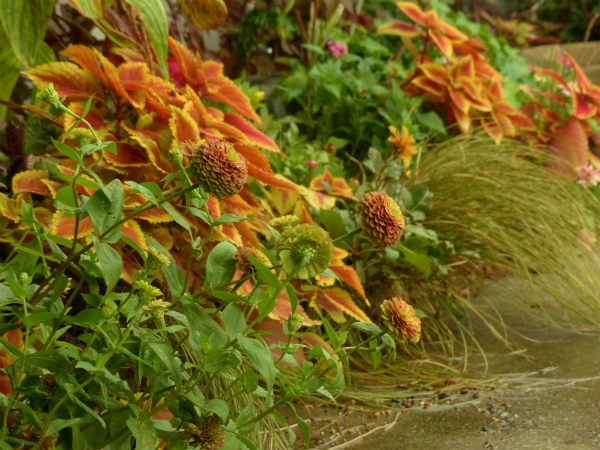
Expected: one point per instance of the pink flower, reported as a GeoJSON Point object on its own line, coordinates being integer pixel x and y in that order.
{"type": "Point", "coordinates": [568, 63]}
{"type": "Point", "coordinates": [337, 49]}
{"type": "Point", "coordinates": [312, 164]}
{"type": "Point", "coordinates": [588, 175]}
{"type": "Point", "coordinates": [529, 67]}
{"type": "Point", "coordinates": [560, 59]}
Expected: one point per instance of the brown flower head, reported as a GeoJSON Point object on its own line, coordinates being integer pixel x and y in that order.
{"type": "Point", "coordinates": [308, 246]}
{"type": "Point", "coordinates": [219, 169]}
{"type": "Point", "coordinates": [208, 435]}
{"type": "Point", "coordinates": [244, 264]}
{"type": "Point", "coordinates": [400, 318]}
{"type": "Point", "coordinates": [381, 218]}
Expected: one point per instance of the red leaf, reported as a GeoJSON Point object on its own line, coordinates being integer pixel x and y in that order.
{"type": "Point", "coordinates": [337, 301]}
{"type": "Point", "coordinates": [398, 28]}
{"type": "Point", "coordinates": [412, 11]}
{"type": "Point", "coordinates": [348, 275]}
{"type": "Point", "coordinates": [185, 60]}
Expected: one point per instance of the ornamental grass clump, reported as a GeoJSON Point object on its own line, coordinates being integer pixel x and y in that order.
{"type": "Point", "coordinates": [219, 169]}
{"type": "Point", "coordinates": [401, 320]}
{"type": "Point", "coordinates": [304, 251]}
{"type": "Point", "coordinates": [381, 218]}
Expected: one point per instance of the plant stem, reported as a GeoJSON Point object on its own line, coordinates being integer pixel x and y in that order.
{"type": "Point", "coordinates": [347, 235]}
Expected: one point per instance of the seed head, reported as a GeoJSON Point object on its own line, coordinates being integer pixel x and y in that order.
{"type": "Point", "coordinates": [400, 318]}
{"type": "Point", "coordinates": [381, 218]}
{"type": "Point", "coordinates": [308, 246]}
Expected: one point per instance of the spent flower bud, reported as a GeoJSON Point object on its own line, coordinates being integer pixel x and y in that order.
{"type": "Point", "coordinates": [50, 96]}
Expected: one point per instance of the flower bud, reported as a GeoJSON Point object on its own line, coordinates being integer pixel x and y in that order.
{"type": "Point", "coordinates": [155, 259]}
{"type": "Point", "coordinates": [50, 96]}
{"type": "Point", "coordinates": [284, 223]}
{"type": "Point", "coordinates": [146, 292]}
{"type": "Point", "coordinates": [401, 320]}
{"type": "Point", "coordinates": [381, 218]}
{"type": "Point", "coordinates": [295, 322]}
{"type": "Point", "coordinates": [176, 156]}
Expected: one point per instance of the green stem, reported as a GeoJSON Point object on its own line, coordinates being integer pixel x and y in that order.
{"type": "Point", "coordinates": [347, 235]}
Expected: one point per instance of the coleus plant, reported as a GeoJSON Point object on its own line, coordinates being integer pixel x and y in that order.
{"type": "Point", "coordinates": [129, 103]}
{"type": "Point", "coordinates": [452, 72]}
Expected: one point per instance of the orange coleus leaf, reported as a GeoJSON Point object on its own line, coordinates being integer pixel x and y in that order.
{"type": "Point", "coordinates": [571, 145]}
{"type": "Point", "coordinates": [14, 337]}
{"type": "Point", "coordinates": [316, 199]}
{"type": "Point", "coordinates": [582, 108]}
{"type": "Point", "coordinates": [398, 28]}
{"type": "Point", "coordinates": [155, 141]}
{"type": "Point", "coordinates": [552, 74]}
{"type": "Point", "coordinates": [247, 231]}
{"type": "Point", "coordinates": [43, 215]}
{"type": "Point", "coordinates": [227, 232]}
{"type": "Point", "coordinates": [222, 89]}
{"type": "Point", "coordinates": [338, 185]}
{"type": "Point", "coordinates": [163, 236]}
{"type": "Point", "coordinates": [463, 120]}
{"type": "Point", "coordinates": [429, 86]}
{"type": "Point", "coordinates": [65, 227]}
{"type": "Point", "coordinates": [155, 215]}
{"type": "Point", "coordinates": [521, 121]}
{"type": "Point", "coordinates": [185, 60]}
{"type": "Point", "coordinates": [130, 268]}
{"type": "Point", "coordinates": [336, 302]}
{"type": "Point", "coordinates": [205, 14]}
{"type": "Point", "coordinates": [8, 208]}
{"type": "Point", "coordinates": [349, 276]}
{"type": "Point", "coordinates": [459, 100]}
{"type": "Point", "coordinates": [183, 126]}
{"type": "Point", "coordinates": [254, 136]}
{"type": "Point", "coordinates": [493, 130]}
{"type": "Point", "coordinates": [95, 117]}
{"type": "Point", "coordinates": [442, 42]}
{"type": "Point", "coordinates": [92, 60]}
{"type": "Point", "coordinates": [68, 79]}
{"type": "Point", "coordinates": [260, 169]}
{"type": "Point", "coordinates": [413, 11]}
{"type": "Point", "coordinates": [132, 230]}
{"type": "Point", "coordinates": [435, 72]}
{"type": "Point", "coordinates": [128, 155]}
{"type": "Point", "coordinates": [30, 181]}
{"type": "Point", "coordinates": [5, 385]}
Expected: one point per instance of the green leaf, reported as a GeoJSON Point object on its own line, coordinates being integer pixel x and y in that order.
{"type": "Point", "coordinates": [145, 191]}
{"type": "Point", "coordinates": [50, 360]}
{"type": "Point", "coordinates": [104, 208]}
{"type": "Point", "coordinates": [9, 74]}
{"type": "Point", "coordinates": [260, 357]}
{"type": "Point", "coordinates": [201, 322]}
{"type": "Point", "coordinates": [234, 320]}
{"type": "Point", "coordinates": [332, 221]}
{"type": "Point", "coordinates": [59, 424]}
{"type": "Point", "coordinates": [450, 306]}
{"type": "Point", "coordinates": [67, 151]}
{"type": "Point", "coordinates": [217, 406]}
{"type": "Point", "coordinates": [432, 121]}
{"type": "Point", "coordinates": [145, 437]}
{"type": "Point", "coordinates": [34, 320]}
{"type": "Point", "coordinates": [155, 20]}
{"type": "Point", "coordinates": [164, 354]}
{"type": "Point", "coordinates": [302, 425]}
{"type": "Point", "coordinates": [65, 199]}
{"type": "Point", "coordinates": [16, 287]}
{"type": "Point", "coordinates": [314, 48]}
{"type": "Point", "coordinates": [99, 370]}
{"type": "Point", "coordinates": [24, 23]}
{"type": "Point", "coordinates": [30, 414]}
{"type": "Point", "coordinates": [368, 328]}
{"type": "Point", "coordinates": [176, 216]}
{"type": "Point", "coordinates": [419, 261]}
{"type": "Point", "coordinates": [111, 263]}
{"type": "Point", "coordinates": [265, 275]}
{"type": "Point", "coordinates": [293, 297]}
{"type": "Point", "coordinates": [227, 218]}
{"type": "Point", "coordinates": [333, 338]}
{"type": "Point", "coordinates": [220, 264]}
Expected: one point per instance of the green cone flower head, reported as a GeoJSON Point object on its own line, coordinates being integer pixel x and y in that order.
{"type": "Point", "coordinates": [306, 245]}
{"type": "Point", "coordinates": [244, 264]}
{"type": "Point", "coordinates": [26, 431]}
{"type": "Point", "coordinates": [207, 436]}
{"type": "Point", "coordinates": [157, 308]}
{"type": "Point", "coordinates": [49, 95]}
{"type": "Point", "coordinates": [295, 322]}
{"type": "Point", "coordinates": [284, 222]}
{"type": "Point", "coordinates": [155, 259]}
{"type": "Point", "coordinates": [146, 292]}
{"type": "Point", "coordinates": [219, 169]}
{"type": "Point", "coordinates": [381, 218]}
{"type": "Point", "coordinates": [400, 318]}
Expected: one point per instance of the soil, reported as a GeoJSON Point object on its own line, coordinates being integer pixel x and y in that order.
{"type": "Point", "coordinates": [547, 397]}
